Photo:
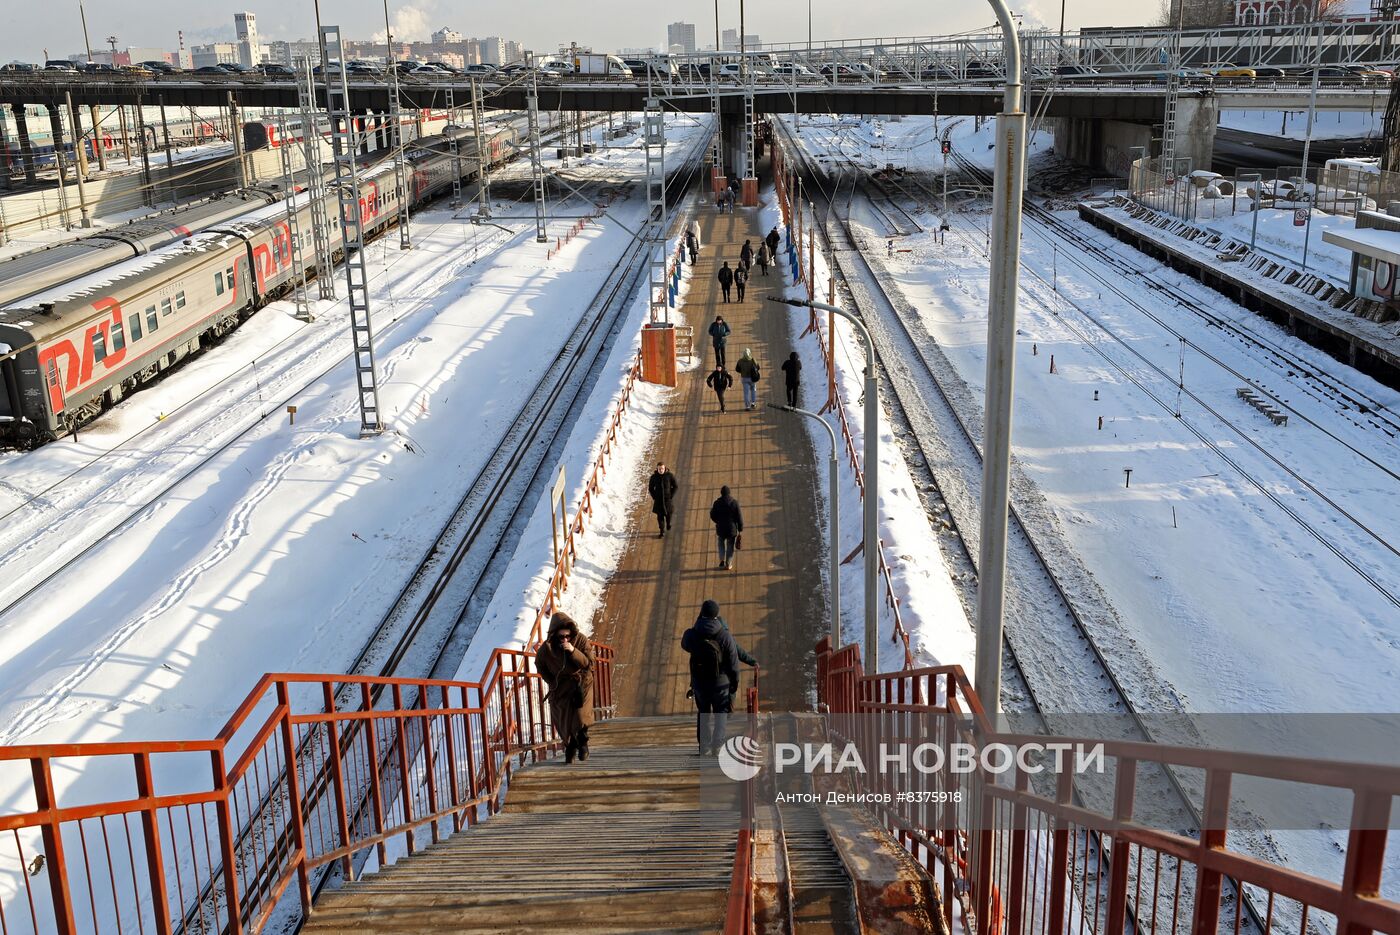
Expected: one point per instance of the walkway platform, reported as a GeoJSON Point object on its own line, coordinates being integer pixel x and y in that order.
{"type": "Point", "coordinates": [773, 601]}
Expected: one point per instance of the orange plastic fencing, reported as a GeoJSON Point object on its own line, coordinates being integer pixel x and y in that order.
{"type": "Point", "coordinates": [800, 230]}
{"type": "Point", "coordinates": [1024, 851]}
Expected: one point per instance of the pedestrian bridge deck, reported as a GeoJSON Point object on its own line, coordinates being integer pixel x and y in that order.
{"type": "Point", "coordinates": [773, 600]}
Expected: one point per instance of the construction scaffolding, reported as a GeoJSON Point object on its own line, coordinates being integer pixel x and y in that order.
{"type": "Point", "coordinates": [347, 187]}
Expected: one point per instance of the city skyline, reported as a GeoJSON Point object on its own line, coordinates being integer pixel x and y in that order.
{"type": "Point", "coordinates": [627, 23]}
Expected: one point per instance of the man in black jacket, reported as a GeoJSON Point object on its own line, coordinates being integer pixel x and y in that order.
{"type": "Point", "coordinates": [726, 279]}
{"type": "Point", "coordinates": [792, 378]}
{"type": "Point", "coordinates": [773, 241]}
{"type": "Point", "coordinates": [719, 331]}
{"type": "Point", "coordinates": [662, 487]}
{"type": "Point", "coordinates": [729, 522]}
{"type": "Point", "coordinates": [714, 674]}
{"type": "Point", "coordinates": [719, 380]}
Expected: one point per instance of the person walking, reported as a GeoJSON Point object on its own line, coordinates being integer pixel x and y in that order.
{"type": "Point", "coordinates": [761, 257]}
{"type": "Point", "coordinates": [746, 254]}
{"type": "Point", "coordinates": [693, 230]}
{"type": "Point", "coordinates": [726, 279]}
{"type": "Point", "coordinates": [692, 245]}
{"type": "Point", "coordinates": [719, 334]}
{"type": "Point", "coordinates": [729, 524]}
{"type": "Point", "coordinates": [729, 200]}
{"type": "Point", "coordinates": [719, 381]}
{"type": "Point", "coordinates": [773, 241]}
{"type": "Point", "coordinates": [749, 374]}
{"type": "Point", "coordinates": [714, 676]}
{"type": "Point", "coordinates": [741, 279]}
{"type": "Point", "coordinates": [662, 487]}
{"type": "Point", "coordinates": [792, 378]}
{"type": "Point", "coordinates": [565, 661]}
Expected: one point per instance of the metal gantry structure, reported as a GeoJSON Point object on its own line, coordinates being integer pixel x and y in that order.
{"type": "Point", "coordinates": [315, 181]}
{"type": "Point", "coordinates": [654, 136]}
{"type": "Point", "coordinates": [294, 235]}
{"type": "Point", "coordinates": [452, 149]}
{"type": "Point", "coordinates": [532, 107]}
{"type": "Point", "coordinates": [483, 159]}
{"type": "Point", "coordinates": [347, 186]}
{"type": "Point", "coordinates": [396, 141]}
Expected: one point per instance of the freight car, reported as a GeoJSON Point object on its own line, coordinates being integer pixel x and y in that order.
{"type": "Point", "coordinates": [71, 351]}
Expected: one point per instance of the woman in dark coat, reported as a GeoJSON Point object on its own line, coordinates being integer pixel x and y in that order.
{"type": "Point", "coordinates": [662, 487]}
{"type": "Point", "coordinates": [565, 661]}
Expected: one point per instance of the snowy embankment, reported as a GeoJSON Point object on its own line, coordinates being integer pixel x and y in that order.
{"type": "Point", "coordinates": [1293, 124]}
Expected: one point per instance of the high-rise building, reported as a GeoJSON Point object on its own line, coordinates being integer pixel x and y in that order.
{"type": "Point", "coordinates": [215, 53]}
{"type": "Point", "coordinates": [245, 27]}
{"type": "Point", "coordinates": [729, 40]}
{"type": "Point", "coordinates": [751, 41]}
{"type": "Point", "coordinates": [446, 36]}
{"type": "Point", "coordinates": [493, 50]}
{"type": "Point", "coordinates": [681, 34]}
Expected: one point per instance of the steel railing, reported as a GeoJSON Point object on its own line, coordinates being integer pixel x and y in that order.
{"type": "Point", "coordinates": [1021, 853]}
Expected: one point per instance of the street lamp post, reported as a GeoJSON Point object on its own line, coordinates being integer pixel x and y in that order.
{"type": "Point", "coordinates": [833, 497]}
{"type": "Point", "coordinates": [870, 533]}
{"type": "Point", "coordinates": [87, 43]}
{"type": "Point", "coordinates": [1005, 262]}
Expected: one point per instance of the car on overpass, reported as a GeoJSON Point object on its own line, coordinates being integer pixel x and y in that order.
{"type": "Point", "coordinates": [164, 68]}
{"type": "Point", "coordinates": [18, 66]}
{"type": "Point", "coordinates": [1231, 70]}
{"type": "Point", "coordinates": [60, 64]}
{"type": "Point", "coordinates": [274, 70]}
{"type": "Point", "coordinates": [480, 70]}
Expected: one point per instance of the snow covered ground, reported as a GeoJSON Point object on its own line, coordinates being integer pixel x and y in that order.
{"type": "Point", "coordinates": [1293, 124]}
{"type": "Point", "coordinates": [1277, 234]}
{"type": "Point", "coordinates": [293, 537]}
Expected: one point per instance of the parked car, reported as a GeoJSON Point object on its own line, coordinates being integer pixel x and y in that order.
{"type": "Point", "coordinates": [1230, 70]}
{"type": "Point", "coordinates": [480, 69]}
{"type": "Point", "coordinates": [19, 66]}
{"type": "Point", "coordinates": [164, 68]}
{"type": "Point", "coordinates": [1269, 71]}
{"type": "Point", "coordinates": [275, 70]}
{"type": "Point", "coordinates": [211, 70]}
{"type": "Point", "coordinates": [1068, 70]}
{"type": "Point", "coordinates": [556, 68]}
{"type": "Point", "coordinates": [976, 70]}
{"type": "Point", "coordinates": [59, 64]}
{"type": "Point", "coordinates": [407, 65]}
{"type": "Point", "coordinates": [236, 68]}
{"type": "Point", "coordinates": [445, 68]}
{"type": "Point", "coordinates": [96, 68]}
{"type": "Point", "coordinates": [139, 70]}
{"type": "Point", "coordinates": [1368, 73]}
{"type": "Point", "coordinates": [792, 71]}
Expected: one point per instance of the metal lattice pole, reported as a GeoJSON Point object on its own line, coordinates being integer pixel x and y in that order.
{"type": "Point", "coordinates": [717, 146]}
{"type": "Point", "coordinates": [293, 222]}
{"type": "Point", "coordinates": [654, 135]}
{"type": "Point", "coordinates": [483, 161]}
{"type": "Point", "coordinates": [452, 149]}
{"type": "Point", "coordinates": [750, 162]}
{"type": "Point", "coordinates": [396, 140]}
{"type": "Point", "coordinates": [532, 102]}
{"type": "Point", "coordinates": [347, 187]}
{"type": "Point", "coordinates": [315, 182]}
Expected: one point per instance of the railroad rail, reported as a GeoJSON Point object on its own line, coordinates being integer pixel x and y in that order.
{"type": "Point", "coordinates": [1054, 629]}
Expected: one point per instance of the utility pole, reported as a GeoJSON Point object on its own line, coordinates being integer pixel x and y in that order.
{"type": "Point", "coordinates": [1312, 113]}
{"type": "Point", "coordinates": [1005, 261]}
{"type": "Point", "coordinates": [87, 43]}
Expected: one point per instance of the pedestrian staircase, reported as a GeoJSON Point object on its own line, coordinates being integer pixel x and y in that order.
{"type": "Point", "coordinates": [625, 842]}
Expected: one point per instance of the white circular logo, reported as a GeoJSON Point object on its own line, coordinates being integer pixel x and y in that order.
{"type": "Point", "coordinates": [740, 758]}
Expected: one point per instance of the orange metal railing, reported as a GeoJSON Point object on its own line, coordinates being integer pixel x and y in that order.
{"type": "Point", "coordinates": [1021, 854]}
{"type": "Point", "coordinates": [408, 761]}
{"type": "Point", "coordinates": [802, 231]}
{"type": "Point", "coordinates": [739, 909]}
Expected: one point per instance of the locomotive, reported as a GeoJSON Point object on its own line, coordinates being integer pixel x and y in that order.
{"type": "Point", "coordinates": [72, 350]}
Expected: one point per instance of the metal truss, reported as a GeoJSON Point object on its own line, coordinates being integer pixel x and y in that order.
{"type": "Point", "coordinates": [654, 136]}
{"type": "Point", "coordinates": [293, 223]}
{"type": "Point", "coordinates": [315, 181]}
{"type": "Point", "coordinates": [532, 106]}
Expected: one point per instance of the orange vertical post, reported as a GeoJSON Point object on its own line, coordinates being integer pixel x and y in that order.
{"type": "Point", "coordinates": [659, 353]}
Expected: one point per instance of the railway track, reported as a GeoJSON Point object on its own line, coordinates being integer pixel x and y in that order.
{"type": "Point", "coordinates": [1060, 630]}
{"type": "Point", "coordinates": [499, 498]}
{"type": "Point", "coordinates": [1039, 215]}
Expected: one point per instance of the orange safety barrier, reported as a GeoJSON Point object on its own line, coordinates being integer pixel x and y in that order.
{"type": "Point", "coordinates": [1019, 858]}
{"type": "Point", "coordinates": [739, 907]}
{"type": "Point", "coordinates": [373, 760]}
{"type": "Point", "coordinates": [792, 218]}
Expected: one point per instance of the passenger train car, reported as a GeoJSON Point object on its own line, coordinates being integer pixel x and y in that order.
{"type": "Point", "coordinates": [72, 350]}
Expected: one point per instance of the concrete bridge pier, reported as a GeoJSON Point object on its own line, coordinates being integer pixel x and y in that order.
{"type": "Point", "coordinates": [1108, 144]}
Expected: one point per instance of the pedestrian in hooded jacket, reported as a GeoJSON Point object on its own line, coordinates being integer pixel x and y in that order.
{"type": "Point", "coordinates": [692, 246]}
{"type": "Point", "coordinates": [773, 240]}
{"type": "Point", "coordinates": [719, 380]}
{"type": "Point", "coordinates": [662, 487]}
{"type": "Point", "coordinates": [729, 522]}
{"type": "Point", "coordinates": [714, 675]}
{"type": "Point", "coordinates": [741, 279]}
{"type": "Point", "coordinates": [726, 279]}
{"type": "Point", "coordinates": [565, 661]}
{"type": "Point", "coordinates": [792, 378]}
{"type": "Point", "coordinates": [719, 337]}
{"type": "Point", "coordinates": [762, 257]}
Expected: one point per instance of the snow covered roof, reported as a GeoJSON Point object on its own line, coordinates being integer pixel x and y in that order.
{"type": "Point", "coordinates": [1368, 241]}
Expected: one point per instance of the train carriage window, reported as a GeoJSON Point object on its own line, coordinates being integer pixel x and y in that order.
{"type": "Point", "coordinates": [152, 322]}
{"type": "Point", "coordinates": [135, 327]}
{"type": "Point", "coordinates": [218, 283]}
{"type": "Point", "coordinates": [229, 276]}
{"type": "Point", "coordinates": [118, 337]}
{"type": "Point", "coordinates": [179, 300]}
{"type": "Point", "coordinates": [165, 308]}
{"type": "Point", "coordinates": [99, 346]}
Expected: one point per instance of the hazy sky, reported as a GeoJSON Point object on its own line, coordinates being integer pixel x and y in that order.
{"type": "Point", "coordinates": [27, 27]}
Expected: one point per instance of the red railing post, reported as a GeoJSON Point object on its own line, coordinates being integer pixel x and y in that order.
{"type": "Point", "coordinates": [227, 851]}
{"type": "Point", "coordinates": [150, 833]}
{"type": "Point", "coordinates": [1017, 895]}
{"type": "Point", "coordinates": [470, 753]}
{"type": "Point", "coordinates": [1059, 859]}
{"type": "Point", "coordinates": [338, 778]}
{"type": "Point", "coordinates": [452, 785]}
{"type": "Point", "coordinates": [1125, 784]}
{"type": "Point", "coordinates": [376, 795]}
{"type": "Point", "coordinates": [52, 833]}
{"type": "Point", "coordinates": [405, 793]}
{"type": "Point", "coordinates": [1215, 820]}
{"type": "Point", "coordinates": [1361, 879]}
{"type": "Point", "coordinates": [295, 817]}
{"type": "Point", "coordinates": [428, 760]}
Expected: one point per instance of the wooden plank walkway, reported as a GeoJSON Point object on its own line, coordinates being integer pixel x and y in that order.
{"type": "Point", "coordinates": [774, 601]}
